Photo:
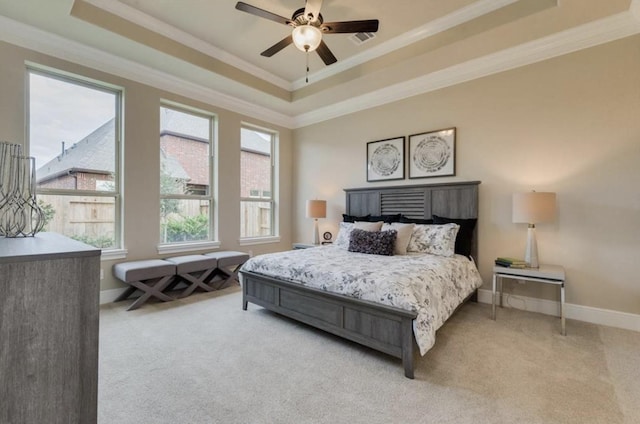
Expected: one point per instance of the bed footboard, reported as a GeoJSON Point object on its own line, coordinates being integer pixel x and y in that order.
{"type": "Point", "coordinates": [380, 327]}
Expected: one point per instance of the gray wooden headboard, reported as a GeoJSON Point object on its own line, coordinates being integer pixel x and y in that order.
{"type": "Point", "coordinates": [451, 200]}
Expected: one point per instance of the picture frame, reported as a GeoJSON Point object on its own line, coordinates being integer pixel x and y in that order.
{"type": "Point", "coordinates": [432, 154]}
{"type": "Point", "coordinates": [385, 159]}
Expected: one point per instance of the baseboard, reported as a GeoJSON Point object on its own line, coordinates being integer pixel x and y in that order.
{"type": "Point", "coordinates": [590, 314]}
{"type": "Point", "coordinates": [108, 296]}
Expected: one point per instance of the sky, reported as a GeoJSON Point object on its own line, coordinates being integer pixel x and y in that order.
{"type": "Point", "coordinates": [61, 111]}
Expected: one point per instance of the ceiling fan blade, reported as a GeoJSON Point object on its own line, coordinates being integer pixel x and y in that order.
{"type": "Point", "coordinates": [312, 8]}
{"type": "Point", "coordinates": [278, 46]}
{"type": "Point", "coordinates": [262, 13]}
{"type": "Point", "coordinates": [325, 54]}
{"type": "Point", "coordinates": [370, 25]}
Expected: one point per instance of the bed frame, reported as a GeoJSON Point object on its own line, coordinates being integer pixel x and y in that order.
{"type": "Point", "coordinates": [380, 327]}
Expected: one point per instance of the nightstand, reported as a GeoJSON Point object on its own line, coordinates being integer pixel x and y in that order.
{"type": "Point", "coordinates": [548, 274]}
{"type": "Point", "coordinates": [304, 245]}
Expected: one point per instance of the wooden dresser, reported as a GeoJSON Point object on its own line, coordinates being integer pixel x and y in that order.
{"type": "Point", "coordinates": [49, 312]}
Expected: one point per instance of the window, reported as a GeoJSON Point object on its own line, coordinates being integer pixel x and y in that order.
{"type": "Point", "coordinates": [257, 164]}
{"type": "Point", "coordinates": [186, 165]}
{"type": "Point", "coordinates": [74, 135]}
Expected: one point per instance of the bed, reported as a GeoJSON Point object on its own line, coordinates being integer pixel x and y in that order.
{"type": "Point", "coordinates": [346, 309]}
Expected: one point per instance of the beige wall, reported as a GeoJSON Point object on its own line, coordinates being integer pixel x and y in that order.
{"type": "Point", "coordinates": [141, 156]}
{"type": "Point", "coordinates": [569, 125]}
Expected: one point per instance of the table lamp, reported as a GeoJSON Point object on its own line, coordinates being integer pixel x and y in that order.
{"type": "Point", "coordinates": [533, 208]}
{"type": "Point", "coordinates": [316, 209]}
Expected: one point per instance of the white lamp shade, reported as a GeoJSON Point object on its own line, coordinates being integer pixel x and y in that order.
{"type": "Point", "coordinates": [306, 37]}
{"type": "Point", "coordinates": [534, 207]}
{"type": "Point", "coordinates": [316, 208]}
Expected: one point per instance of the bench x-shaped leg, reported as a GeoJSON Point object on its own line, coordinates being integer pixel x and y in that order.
{"type": "Point", "coordinates": [196, 282]}
{"type": "Point", "coordinates": [150, 290]}
{"type": "Point", "coordinates": [227, 275]}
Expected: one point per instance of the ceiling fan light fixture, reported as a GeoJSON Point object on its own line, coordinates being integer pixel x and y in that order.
{"type": "Point", "coordinates": [307, 37]}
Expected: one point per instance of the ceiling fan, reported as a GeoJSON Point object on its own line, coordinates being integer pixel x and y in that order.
{"type": "Point", "coordinates": [308, 27]}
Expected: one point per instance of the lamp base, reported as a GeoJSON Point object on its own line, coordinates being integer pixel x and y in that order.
{"type": "Point", "coordinates": [531, 252]}
{"type": "Point", "coordinates": [316, 233]}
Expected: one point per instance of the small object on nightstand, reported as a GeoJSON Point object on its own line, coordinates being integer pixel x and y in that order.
{"type": "Point", "coordinates": [297, 246]}
{"type": "Point", "coordinates": [549, 274]}
{"type": "Point", "coordinates": [510, 262]}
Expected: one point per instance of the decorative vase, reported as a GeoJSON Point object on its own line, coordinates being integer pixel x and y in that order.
{"type": "Point", "coordinates": [7, 153]}
{"type": "Point", "coordinates": [20, 214]}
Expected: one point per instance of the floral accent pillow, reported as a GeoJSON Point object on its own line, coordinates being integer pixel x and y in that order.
{"type": "Point", "coordinates": [344, 232]}
{"type": "Point", "coordinates": [434, 239]}
{"type": "Point", "coordinates": [373, 242]}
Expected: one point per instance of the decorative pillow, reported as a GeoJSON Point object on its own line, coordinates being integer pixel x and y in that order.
{"type": "Point", "coordinates": [353, 218]}
{"type": "Point", "coordinates": [404, 235]}
{"type": "Point", "coordinates": [344, 232]}
{"type": "Point", "coordinates": [368, 226]}
{"type": "Point", "coordinates": [373, 242]}
{"type": "Point", "coordinates": [405, 219]}
{"type": "Point", "coordinates": [434, 239]}
{"type": "Point", "coordinates": [464, 241]}
{"type": "Point", "coordinates": [385, 218]}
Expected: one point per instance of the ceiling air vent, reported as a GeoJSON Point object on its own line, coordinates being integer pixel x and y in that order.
{"type": "Point", "coordinates": [361, 37]}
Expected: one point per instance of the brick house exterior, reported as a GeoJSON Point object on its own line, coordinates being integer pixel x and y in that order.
{"type": "Point", "coordinates": [191, 153]}
{"type": "Point", "coordinates": [77, 180]}
{"type": "Point", "coordinates": [89, 165]}
{"type": "Point", "coordinates": [91, 162]}
{"type": "Point", "coordinates": [257, 180]}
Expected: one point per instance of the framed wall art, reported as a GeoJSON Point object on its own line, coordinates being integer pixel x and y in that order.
{"type": "Point", "coordinates": [432, 154]}
{"type": "Point", "coordinates": [385, 159]}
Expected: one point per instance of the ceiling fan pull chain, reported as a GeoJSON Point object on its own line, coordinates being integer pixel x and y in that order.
{"type": "Point", "coordinates": [307, 78]}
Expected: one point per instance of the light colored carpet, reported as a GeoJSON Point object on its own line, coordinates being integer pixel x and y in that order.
{"type": "Point", "coordinates": [204, 360]}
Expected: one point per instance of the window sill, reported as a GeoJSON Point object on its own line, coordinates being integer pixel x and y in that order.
{"type": "Point", "coordinates": [187, 247]}
{"type": "Point", "coordinates": [112, 254]}
{"type": "Point", "coordinates": [259, 240]}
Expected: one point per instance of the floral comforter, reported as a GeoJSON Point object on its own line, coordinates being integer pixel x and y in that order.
{"type": "Point", "coordinates": [433, 286]}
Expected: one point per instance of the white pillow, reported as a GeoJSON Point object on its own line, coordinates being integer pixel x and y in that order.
{"type": "Point", "coordinates": [368, 226]}
{"type": "Point", "coordinates": [434, 239]}
{"type": "Point", "coordinates": [404, 236]}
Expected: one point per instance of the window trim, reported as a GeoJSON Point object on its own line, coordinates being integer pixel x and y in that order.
{"type": "Point", "coordinates": [119, 94]}
{"type": "Point", "coordinates": [212, 242]}
{"type": "Point", "coordinates": [274, 237]}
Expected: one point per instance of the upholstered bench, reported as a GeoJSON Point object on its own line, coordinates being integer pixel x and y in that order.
{"type": "Point", "coordinates": [229, 263]}
{"type": "Point", "coordinates": [150, 276]}
{"type": "Point", "coordinates": [194, 270]}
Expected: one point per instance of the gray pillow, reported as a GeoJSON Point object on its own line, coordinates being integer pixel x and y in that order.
{"type": "Point", "coordinates": [373, 242]}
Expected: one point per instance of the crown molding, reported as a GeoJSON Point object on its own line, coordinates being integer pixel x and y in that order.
{"type": "Point", "coordinates": [149, 22]}
{"type": "Point", "coordinates": [584, 36]}
{"type": "Point", "coordinates": [32, 38]}
{"type": "Point", "coordinates": [634, 8]}
{"type": "Point", "coordinates": [429, 29]}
